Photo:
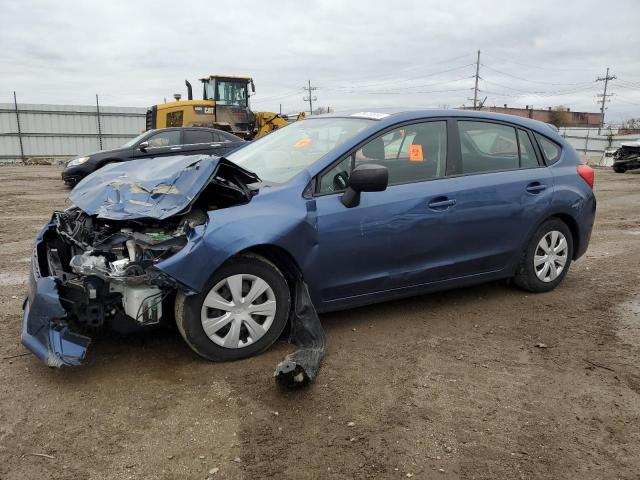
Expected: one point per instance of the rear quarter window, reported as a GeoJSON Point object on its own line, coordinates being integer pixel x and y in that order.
{"type": "Point", "coordinates": [551, 150]}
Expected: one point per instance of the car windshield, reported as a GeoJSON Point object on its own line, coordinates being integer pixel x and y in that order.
{"type": "Point", "coordinates": [134, 140]}
{"type": "Point", "coordinates": [284, 153]}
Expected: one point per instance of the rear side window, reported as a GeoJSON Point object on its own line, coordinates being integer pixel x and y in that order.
{"type": "Point", "coordinates": [551, 150]}
{"type": "Point", "coordinates": [197, 136]}
{"type": "Point", "coordinates": [487, 147]}
{"type": "Point", "coordinates": [528, 157]}
{"type": "Point", "coordinates": [221, 137]}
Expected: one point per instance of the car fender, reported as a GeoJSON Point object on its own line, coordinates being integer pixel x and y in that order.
{"type": "Point", "coordinates": [289, 224]}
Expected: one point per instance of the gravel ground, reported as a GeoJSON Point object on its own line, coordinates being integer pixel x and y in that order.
{"type": "Point", "coordinates": [449, 385]}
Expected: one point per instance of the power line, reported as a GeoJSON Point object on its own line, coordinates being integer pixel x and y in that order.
{"type": "Point", "coordinates": [408, 87]}
{"type": "Point", "coordinates": [529, 80]}
{"type": "Point", "coordinates": [374, 84]}
{"type": "Point", "coordinates": [544, 93]}
{"type": "Point", "coordinates": [393, 77]}
{"type": "Point", "coordinates": [604, 95]}
{"type": "Point", "coordinates": [555, 69]}
{"type": "Point", "coordinates": [310, 97]}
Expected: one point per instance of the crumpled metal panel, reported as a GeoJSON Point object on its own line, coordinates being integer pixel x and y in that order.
{"type": "Point", "coordinates": [43, 332]}
{"type": "Point", "coordinates": [155, 188]}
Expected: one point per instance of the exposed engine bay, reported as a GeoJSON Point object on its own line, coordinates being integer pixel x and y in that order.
{"type": "Point", "coordinates": [103, 266]}
{"type": "Point", "coordinates": [94, 264]}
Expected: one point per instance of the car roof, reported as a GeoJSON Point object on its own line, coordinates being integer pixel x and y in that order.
{"type": "Point", "coordinates": [399, 114]}
{"type": "Point", "coordinates": [209, 129]}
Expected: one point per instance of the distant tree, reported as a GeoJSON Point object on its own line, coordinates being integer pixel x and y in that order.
{"type": "Point", "coordinates": [319, 111]}
{"type": "Point", "coordinates": [560, 116]}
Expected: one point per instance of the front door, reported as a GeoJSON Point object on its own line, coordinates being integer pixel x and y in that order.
{"type": "Point", "coordinates": [387, 241]}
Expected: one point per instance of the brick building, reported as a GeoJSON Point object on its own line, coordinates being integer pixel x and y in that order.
{"type": "Point", "coordinates": [567, 117]}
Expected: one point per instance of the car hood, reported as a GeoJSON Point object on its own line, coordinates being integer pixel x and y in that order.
{"type": "Point", "coordinates": [156, 188]}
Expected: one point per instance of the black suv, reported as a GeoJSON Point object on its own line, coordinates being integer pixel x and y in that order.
{"type": "Point", "coordinates": [155, 143]}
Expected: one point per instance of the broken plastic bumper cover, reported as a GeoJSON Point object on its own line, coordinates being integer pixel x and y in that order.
{"type": "Point", "coordinates": [44, 331]}
{"type": "Point", "coordinates": [301, 367]}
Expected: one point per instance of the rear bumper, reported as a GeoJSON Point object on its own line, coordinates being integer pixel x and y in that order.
{"type": "Point", "coordinates": [45, 331]}
{"type": "Point", "coordinates": [585, 221]}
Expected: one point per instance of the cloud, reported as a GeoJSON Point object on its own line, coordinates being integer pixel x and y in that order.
{"type": "Point", "coordinates": [364, 53]}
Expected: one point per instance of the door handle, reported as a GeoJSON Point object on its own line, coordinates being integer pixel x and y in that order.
{"type": "Point", "coordinates": [535, 187]}
{"type": "Point", "coordinates": [175, 148]}
{"type": "Point", "coordinates": [441, 203]}
{"type": "Point", "coordinates": [215, 145]}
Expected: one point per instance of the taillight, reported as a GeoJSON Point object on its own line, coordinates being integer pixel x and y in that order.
{"type": "Point", "coordinates": [587, 173]}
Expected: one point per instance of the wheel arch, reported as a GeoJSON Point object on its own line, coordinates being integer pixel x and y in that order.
{"type": "Point", "coordinates": [104, 162]}
{"type": "Point", "coordinates": [570, 222]}
{"type": "Point", "coordinates": [280, 257]}
{"type": "Point", "coordinates": [565, 218]}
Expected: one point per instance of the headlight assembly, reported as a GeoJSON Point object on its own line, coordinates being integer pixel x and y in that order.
{"type": "Point", "coordinates": [77, 161]}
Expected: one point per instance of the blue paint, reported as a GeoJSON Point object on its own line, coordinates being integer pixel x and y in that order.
{"type": "Point", "coordinates": [406, 240]}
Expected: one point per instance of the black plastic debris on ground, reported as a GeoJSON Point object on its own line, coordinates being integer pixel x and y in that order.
{"type": "Point", "coordinates": [301, 367]}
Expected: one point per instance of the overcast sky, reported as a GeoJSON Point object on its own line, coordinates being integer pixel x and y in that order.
{"type": "Point", "coordinates": [358, 53]}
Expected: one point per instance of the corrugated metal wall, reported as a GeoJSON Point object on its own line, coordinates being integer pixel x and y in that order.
{"type": "Point", "coordinates": [590, 144]}
{"type": "Point", "coordinates": [63, 131]}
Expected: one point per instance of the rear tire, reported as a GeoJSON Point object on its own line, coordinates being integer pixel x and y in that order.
{"type": "Point", "coordinates": [237, 325]}
{"type": "Point", "coordinates": [619, 169]}
{"type": "Point", "coordinates": [546, 259]}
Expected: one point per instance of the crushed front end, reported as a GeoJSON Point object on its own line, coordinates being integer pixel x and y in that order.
{"type": "Point", "coordinates": [88, 273]}
{"type": "Point", "coordinates": [94, 265]}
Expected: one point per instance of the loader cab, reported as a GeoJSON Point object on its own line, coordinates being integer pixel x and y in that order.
{"type": "Point", "coordinates": [227, 90]}
{"type": "Point", "coordinates": [229, 96]}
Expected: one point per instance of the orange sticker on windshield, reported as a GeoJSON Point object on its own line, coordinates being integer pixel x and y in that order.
{"type": "Point", "coordinates": [302, 143]}
{"type": "Point", "coordinates": [415, 152]}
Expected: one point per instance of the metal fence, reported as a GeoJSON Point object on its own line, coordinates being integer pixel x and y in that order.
{"type": "Point", "coordinates": [591, 144]}
{"type": "Point", "coordinates": [55, 132]}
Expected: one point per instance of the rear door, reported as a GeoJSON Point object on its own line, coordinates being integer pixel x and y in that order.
{"type": "Point", "coordinates": [499, 189]}
{"type": "Point", "coordinates": [165, 142]}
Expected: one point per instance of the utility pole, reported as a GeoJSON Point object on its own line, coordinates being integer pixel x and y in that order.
{"type": "Point", "coordinates": [99, 124]}
{"type": "Point", "coordinates": [475, 89]}
{"type": "Point", "coordinates": [15, 104]}
{"type": "Point", "coordinates": [604, 96]}
{"type": "Point", "coordinates": [310, 98]}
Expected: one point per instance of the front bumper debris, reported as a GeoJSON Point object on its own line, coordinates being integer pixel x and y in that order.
{"type": "Point", "coordinates": [301, 367]}
{"type": "Point", "coordinates": [44, 331]}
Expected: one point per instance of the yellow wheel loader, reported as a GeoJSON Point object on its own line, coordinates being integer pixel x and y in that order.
{"type": "Point", "coordinates": [224, 105]}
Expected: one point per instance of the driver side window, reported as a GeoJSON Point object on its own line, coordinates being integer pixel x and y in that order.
{"type": "Point", "coordinates": [335, 180]}
{"type": "Point", "coordinates": [411, 153]}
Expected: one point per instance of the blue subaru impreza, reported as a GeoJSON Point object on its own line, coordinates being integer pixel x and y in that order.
{"type": "Point", "coordinates": [362, 207]}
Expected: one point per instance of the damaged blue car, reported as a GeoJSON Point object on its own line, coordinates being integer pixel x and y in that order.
{"type": "Point", "coordinates": [358, 207]}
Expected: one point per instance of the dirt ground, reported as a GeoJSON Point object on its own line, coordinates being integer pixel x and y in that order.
{"type": "Point", "coordinates": [448, 385]}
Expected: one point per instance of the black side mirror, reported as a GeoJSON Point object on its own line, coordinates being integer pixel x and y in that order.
{"type": "Point", "coordinates": [143, 146]}
{"type": "Point", "coordinates": [365, 178]}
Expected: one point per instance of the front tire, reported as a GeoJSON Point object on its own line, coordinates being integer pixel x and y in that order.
{"type": "Point", "coordinates": [546, 260]}
{"type": "Point", "coordinates": [241, 312]}
{"type": "Point", "coordinates": [619, 169]}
